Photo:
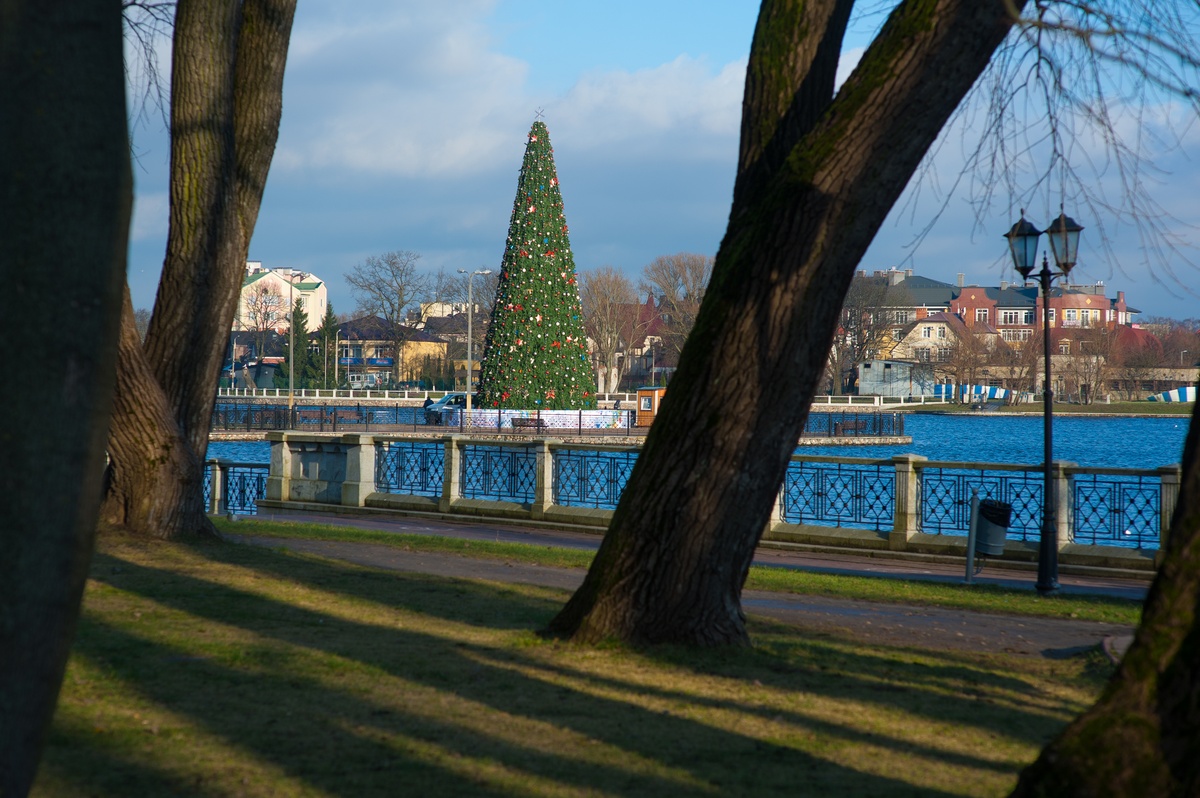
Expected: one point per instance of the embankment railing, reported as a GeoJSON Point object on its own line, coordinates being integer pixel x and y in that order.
{"type": "Point", "coordinates": [543, 479]}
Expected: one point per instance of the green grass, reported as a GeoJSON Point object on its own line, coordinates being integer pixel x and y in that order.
{"type": "Point", "coordinates": [217, 669]}
{"type": "Point", "coordinates": [1097, 409]}
{"type": "Point", "coordinates": [976, 598]}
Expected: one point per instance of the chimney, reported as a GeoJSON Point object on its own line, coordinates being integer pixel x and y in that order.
{"type": "Point", "coordinates": [908, 272]}
{"type": "Point", "coordinates": [1004, 285]}
{"type": "Point", "coordinates": [1120, 297]}
{"type": "Point", "coordinates": [961, 279]}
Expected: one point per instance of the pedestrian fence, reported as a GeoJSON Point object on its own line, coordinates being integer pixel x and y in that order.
{"type": "Point", "coordinates": [379, 417]}
{"type": "Point", "coordinates": [1127, 508]}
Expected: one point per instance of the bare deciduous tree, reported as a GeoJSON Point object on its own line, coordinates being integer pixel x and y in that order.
{"type": "Point", "coordinates": [226, 103]}
{"type": "Point", "coordinates": [266, 311]}
{"type": "Point", "coordinates": [387, 286]}
{"type": "Point", "coordinates": [612, 318]}
{"type": "Point", "coordinates": [865, 327]}
{"type": "Point", "coordinates": [677, 283]}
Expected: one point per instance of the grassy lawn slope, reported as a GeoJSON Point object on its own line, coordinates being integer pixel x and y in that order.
{"type": "Point", "coordinates": [224, 669]}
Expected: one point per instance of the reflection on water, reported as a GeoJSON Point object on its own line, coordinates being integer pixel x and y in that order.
{"type": "Point", "coordinates": [1103, 441]}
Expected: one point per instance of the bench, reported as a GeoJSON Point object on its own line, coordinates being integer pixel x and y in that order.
{"type": "Point", "coordinates": [528, 424]}
{"type": "Point", "coordinates": [844, 427]}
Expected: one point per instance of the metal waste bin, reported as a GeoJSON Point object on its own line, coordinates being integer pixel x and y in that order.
{"type": "Point", "coordinates": [991, 527]}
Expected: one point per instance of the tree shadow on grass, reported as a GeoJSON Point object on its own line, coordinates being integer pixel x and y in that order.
{"type": "Point", "coordinates": [912, 680]}
{"type": "Point", "coordinates": [345, 740]}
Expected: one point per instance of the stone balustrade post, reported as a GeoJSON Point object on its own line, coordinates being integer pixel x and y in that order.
{"type": "Point", "coordinates": [216, 496]}
{"type": "Point", "coordinates": [279, 477]}
{"type": "Point", "coordinates": [906, 517]}
{"type": "Point", "coordinates": [451, 473]}
{"type": "Point", "coordinates": [1169, 478]}
{"type": "Point", "coordinates": [776, 517]}
{"type": "Point", "coordinates": [1065, 503]}
{"type": "Point", "coordinates": [544, 488]}
{"type": "Point", "coordinates": [360, 470]}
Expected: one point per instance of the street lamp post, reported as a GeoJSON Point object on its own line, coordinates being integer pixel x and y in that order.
{"type": "Point", "coordinates": [291, 347]}
{"type": "Point", "coordinates": [337, 355]}
{"type": "Point", "coordinates": [470, 336]}
{"type": "Point", "coordinates": [1064, 244]}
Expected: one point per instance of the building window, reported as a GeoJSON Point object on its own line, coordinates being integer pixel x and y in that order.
{"type": "Point", "coordinates": [1069, 315]}
{"type": "Point", "coordinates": [923, 355]}
{"type": "Point", "coordinates": [1010, 317]}
{"type": "Point", "coordinates": [927, 332]}
{"type": "Point", "coordinates": [941, 332]}
{"type": "Point", "coordinates": [1051, 312]}
{"type": "Point", "coordinates": [1027, 317]}
{"type": "Point", "coordinates": [944, 354]}
{"type": "Point", "coordinates": [1016, 335]}
{"type": "Point", "coordinates": [902, 316]}
{"type": "Point", "coordinates": [1064, 347]}
{"type": "Point", "coordinates": [981, 315]}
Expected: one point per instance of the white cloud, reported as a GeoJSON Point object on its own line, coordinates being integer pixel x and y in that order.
{"type": "Point", "coordinates": [424, 93]}
{"type": "Point", "coordinates": [150, 210]}
{"type": "Point", "coordinates": [678, 98]}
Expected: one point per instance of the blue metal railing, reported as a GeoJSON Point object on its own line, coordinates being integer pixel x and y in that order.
{"type": "Point", "coordinates": [1117, 507]}
{"type": "Point", "coordinates": [842, 493]}
{"type": "Point", "coordinates": [242, 485]}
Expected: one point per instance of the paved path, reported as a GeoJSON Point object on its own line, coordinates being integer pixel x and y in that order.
{"type": "Point", "coordinates": [890, 624]}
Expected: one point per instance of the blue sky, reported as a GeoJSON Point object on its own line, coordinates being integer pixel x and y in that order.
{"type": "Point", "coordinates": [404, 126]}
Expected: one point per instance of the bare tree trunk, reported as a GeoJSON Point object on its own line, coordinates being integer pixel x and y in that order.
{"type": "Point", "coordinates": [64, 223]}
{"type": "Point", "coordinates": [226, 104]}
{"type": "Point", "coordinates": [816, 178]}
{"type": "Point", "coordinates": [1140, 738]}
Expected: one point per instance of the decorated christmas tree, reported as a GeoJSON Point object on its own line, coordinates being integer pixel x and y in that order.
{"type": "Point", "coordinates": [536, 353]}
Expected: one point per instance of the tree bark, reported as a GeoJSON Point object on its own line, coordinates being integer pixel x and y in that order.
{"type": "Point", "coordinates": [816, 178]}
{"type": "Point", "coordinates": [226, 105]}
{"type": "Point", "coordinates": [1140, 737]}
{"type": "Point", "coordinates": [64, 224]}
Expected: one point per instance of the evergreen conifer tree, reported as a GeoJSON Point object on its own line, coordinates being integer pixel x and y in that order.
{"type": "Point", "coordinates": [307, 371]}
{"type": "Point", "coordinates": [536, 356]}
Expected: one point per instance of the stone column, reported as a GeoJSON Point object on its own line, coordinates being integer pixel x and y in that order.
{"type": "Point", "coordinates": [451, 473]}
{"type": "Point", "coordinates": [360, 470]}
{"type": "Point", "coordinates": [776, 517]}
{"type": "Point", "coordinates": [906, 518]}
{"type": "Point", "coordinates": [216, 496]}
{"type": "Point", "coordinates": [1065, 505]}
{"type": "Point", "coordinates": [279, 478]}
{"type": "Point", "coordinates": [544, 490]}
{"type": "Point", "coordinates": [1169, 478]}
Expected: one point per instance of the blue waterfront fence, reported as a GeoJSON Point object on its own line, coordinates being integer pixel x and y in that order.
{"type": "Point", "coordinates": [904, 494]}
{"type": "Point", "coordinates": [234, 487]}
{"type": "Point", "coordinates": [847, 492]}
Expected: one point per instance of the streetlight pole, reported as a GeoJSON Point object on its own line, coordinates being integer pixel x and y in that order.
{"type": "Point", "coordinates": [337, 355]}
{"type": "Point", "coordinates": [291, 345]}
{"type": "Point", "coordinates": [470, 336]}
{"type": "Point", "coordinates": [1064, 244]}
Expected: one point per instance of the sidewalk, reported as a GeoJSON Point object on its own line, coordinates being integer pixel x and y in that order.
{"type": "Point", "coordinates": [944, 569]}
{"type": "Point", "coordinates": [886, 624]}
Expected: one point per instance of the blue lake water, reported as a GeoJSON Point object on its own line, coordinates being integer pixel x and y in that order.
{"type": "Point", "coordinates": [1098, 441]}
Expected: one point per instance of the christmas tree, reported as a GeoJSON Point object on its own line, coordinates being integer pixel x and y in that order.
{"type": "Point", "coordinates": [536, 356]}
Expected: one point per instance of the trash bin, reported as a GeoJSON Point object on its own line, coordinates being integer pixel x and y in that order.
{"type": "Point", "coordinates": [991, 529]}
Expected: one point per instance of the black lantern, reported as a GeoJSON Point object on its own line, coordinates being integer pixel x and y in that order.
{"type": "Point", "coordinates": [1063, 233]}
{"type": "Point", "coordinates": [1022, 245]}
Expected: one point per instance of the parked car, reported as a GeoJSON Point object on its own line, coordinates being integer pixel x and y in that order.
{"type": "Point", "coordinates": [441, 410]}
{"type": "Point", "coordinates": [359, 381]}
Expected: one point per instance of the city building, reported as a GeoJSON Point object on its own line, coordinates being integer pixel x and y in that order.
{"type": "Point", "coordinates": [267, 297]}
